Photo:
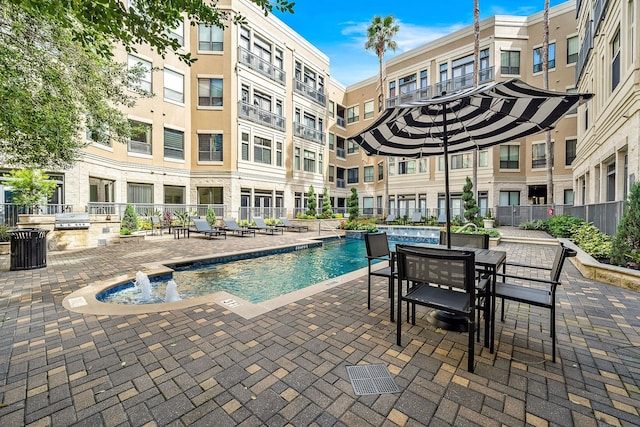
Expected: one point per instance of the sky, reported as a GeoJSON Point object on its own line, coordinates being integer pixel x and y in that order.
{"type": "Point", "coordinates": [339, 28]}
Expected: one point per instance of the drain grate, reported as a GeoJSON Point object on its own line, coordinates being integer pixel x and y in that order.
{"type": "Point", "coordinates": [371, 379]}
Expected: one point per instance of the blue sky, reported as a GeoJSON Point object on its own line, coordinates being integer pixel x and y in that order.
{"type": "Point", "coordinates": [338, 28]}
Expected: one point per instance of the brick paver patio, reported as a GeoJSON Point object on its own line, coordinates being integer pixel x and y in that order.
{"type": "Point", "coordinates": [205, 365]}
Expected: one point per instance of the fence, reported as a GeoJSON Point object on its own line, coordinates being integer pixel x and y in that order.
{"type": "Point", "coordinates": [9, 212]}
{"type": "Point", "coordinates": [146, 210]}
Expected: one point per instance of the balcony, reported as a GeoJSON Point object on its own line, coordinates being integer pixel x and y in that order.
{"type": "Point", "coordinates": [463, 82]}
{"type": "Point", "coordinates": [310, 92]}
{"type": "Point", "coordinates": [450, 86]}
{"type": "Point", "coordinates": [260, 116]}
{"type": "Point", "coordinates": [585, 49]}
{"type": "Point", "coordinates": [308, 133]}
{"type": "Point", "coordinates": [599, 12]}
{"type": "Point", "coordinates": [341, 153]}
{"type": "Point", "coordinates": [340, 183]}
{"type": "Point", "coordinates": [260, 65]}
{"type": "Point", "coordinates": [341, 122]}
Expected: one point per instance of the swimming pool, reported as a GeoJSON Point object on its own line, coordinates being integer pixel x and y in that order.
{"type": "Point", "coordinates": [255, 279]}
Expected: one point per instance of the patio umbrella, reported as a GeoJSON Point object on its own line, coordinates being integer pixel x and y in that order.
{"type": "Point", "coordinates": [475, 118]}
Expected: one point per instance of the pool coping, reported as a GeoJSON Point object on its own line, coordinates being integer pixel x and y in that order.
{"type": "Point", "coordinates": [84, 300]}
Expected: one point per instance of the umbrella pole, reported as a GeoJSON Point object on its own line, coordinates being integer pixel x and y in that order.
{"type": "Point", "coordinates": [445, 140]}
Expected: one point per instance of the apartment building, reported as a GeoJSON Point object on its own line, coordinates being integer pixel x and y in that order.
{"type": "Point", "coordinates": [257, 120]}
{"type": "Point", "coordinates": [607, 156]}
{"type": "Point", "coordinates": [510, 174]}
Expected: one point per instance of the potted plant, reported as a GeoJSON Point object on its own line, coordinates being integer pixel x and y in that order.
{"type": "Point", "coordinates": [488, 221]}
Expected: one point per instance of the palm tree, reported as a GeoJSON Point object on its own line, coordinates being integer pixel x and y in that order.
{"type": "Point", "coordinates": [545, 85]}
{"type": "Point", "coordinates": [380, 38]}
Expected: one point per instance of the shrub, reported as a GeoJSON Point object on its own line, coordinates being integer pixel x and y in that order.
{"type": "Point", "coordinates": [560, 226]}
{"type": "Point", "coordinates": [363, 224]}
{"type": "Point", "coordinates": [626, 242]}
{"type": "Point", "coordinates": [470, 208]}
{"type": "Point", "coordinates": [129, 220]}
{"type": "Point", "coordinates": [492, 232]}
{"type": "Point", "coordinates": [327, 209]}
{"type": "Point", "coordinates": [5, 236]}
{"type": "Point", "coordinates": [591, 240]}
{"type": "Point", "coordinates": [311, 202]}
{"type": "Point", "coordinates": [211, 216]}
{"type": "Point", "coordinates": [125, 231]}
{"type": "Point", "coordinates": [536, 224]}
{"type": "Point", "coordinates": [352, 205]}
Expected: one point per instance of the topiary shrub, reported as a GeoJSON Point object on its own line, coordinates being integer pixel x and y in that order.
{"type": "Point", "coordinates": [211, 216]}
{"type": "Point", "coordinates": [129, 220]}
{"type": "Point", "coordinates": [327, 209]}
{"type": "Point", "coordinates": [311, 202]}
{"type": "Point", "coordinates": [626, 242]}
{"type": "Point", "coordinates": [352, 205]}
{"type": "Point", "coordinates": [470, 208]}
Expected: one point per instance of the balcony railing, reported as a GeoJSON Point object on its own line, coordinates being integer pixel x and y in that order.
{"type": "Point", "coordinates": [308, 133]}
{"type": "Point", "coordinates": [263, 67]}
{"type": "Point", "coordinates": [585, 49]}
{"type": "Point", "coordinates": [599, 12]}
{"type": "Point", "coordinates": [340, 183]}
{"type": "Point", "coordinates": [310, 92]}
{"type": "Point", "coordinates": [139, 147]}
{"type": "Point", "coordinates": [263, 117]}
{"type": "Point", "coordinates": [340, 121]}
{"type": "Point", "coordinates": [450, 86]}
{"type": "Point", "coordinates": [341, 153]}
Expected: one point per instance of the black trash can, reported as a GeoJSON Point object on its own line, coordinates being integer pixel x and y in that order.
{"type": "Point", "coordinates": [28, 249]}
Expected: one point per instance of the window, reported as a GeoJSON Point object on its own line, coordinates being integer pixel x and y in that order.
{"type": "Point", "coordinates": [144, 83]}
{"type": "Point", "coordinates": [574, 110]}
{"type": "Point", "coordinates": [320, 163]}
{"type": "Point", "coordinates": [309, 161]}
{"type": "Point", "coordinates": [332, 109]}
{"type": "Point", "coordinates": [331, 141]}
{"type": "Point", "coordinates": [367, 205]}
{"type": "Point", "coordinates": [611, 182]}
{"type": "Point", "coordinates": [353, 114]}
{"type": "Point", "coordinates": [245, 146]}
{"type": "Point", "coordinates": [173, 86]}
{"type": "Point", "coordinates": [568, 197]}
{"type": "Point", "coordinates": [245, 38]}
{"type": "Point", "coordinates": [392, 89]}
{"type": "Point", "coordinates": [331, 173]}
{"type": "Point", "coordinates": [509, 198]}
{"type": "Point", "coordinates": [483, 159]}
{"type": "Point", "coordinates": [279, 154]}
{"type": "Point", "coordinates": [407, 84]}
{"type": "Point", "coordinates": [173, 144]}
{"type": "Point", "coordinates": [443, 72]}
{"type": "Point", "coordinates": [509, 157]}
{"type": "Point", "coordinates": [510, 62]}
{"type": "Point", "coordinates": [537, 58]}
{"type": "Point", "coordinates": [352, 176]}
{"type": "Point", "coordinates": [368, 174]}
{"type": "Point", "coordinates": [461, 161]}
{"type": "Point", "coordinates": [177, 33]}
{"type": "Point", "coordinates": [572, 50]}
{"type": "Point", "coordinates": [173, 195]}
{"type": "Point", "coordinates": [296, 158]}
{"type": "Point", "coordinates": [424, 79]}
{"type": "Point", "coordinates": [615, 60]}
{"type": "Point", "coordinates": [406, 167]}
{"type": "Point", "coordinates": [570, 151]}
{"type": "Point", "coordinates": [210, 195]}
{"type": "Point", "coordinates": [538, 156]}
{"type": "Point", "coordinates": [352, 147]}
{"type": "Point", "coordinates": [210, 147]}
{"type": "Point", "coordinates": [140, 141]}
{"type": "Point", "coordinates": [368, 109]}
{"type": "Point", "coordinates": [139, 193]}
{"type": "Point", "coordinates": [210, 92]}
{"type": "Point", "coordinates": [261, 150]}
{"type": "Point", "coordinates": [210, 38]}
{"type": "Point", "coordinates": [380, 171]}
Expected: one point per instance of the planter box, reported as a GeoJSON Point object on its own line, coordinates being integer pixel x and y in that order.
{"type": "Point", "coordinates": [5, 248]}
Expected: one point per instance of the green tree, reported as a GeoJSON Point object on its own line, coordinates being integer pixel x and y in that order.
{"type": "Point", "coordinates": [312, 204]}
{"type": "Point", "coordinates": [98, 25]}
{"type": "Point", "coordinates": [30, 187]}
{"type": "Point", "coordinates": [380, 35]}
{"type": "Point", "coordinates": [626, 242]}
{"type": "Point", "coordinates": [470, 207]}
{"type": "Point", "coordinates": [352, 205]}
{"type": "Point", "coordinates": [211, 216]}
{"type": "Point", "coordinates": [327, 209]}
{"type": "Point", "coordinates": [52, 90]}
{"type": "Point", "coordinates": [129, 220]}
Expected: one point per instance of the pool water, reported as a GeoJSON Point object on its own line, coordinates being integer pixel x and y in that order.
{"type": "Point", "coordinates": [256, 279]}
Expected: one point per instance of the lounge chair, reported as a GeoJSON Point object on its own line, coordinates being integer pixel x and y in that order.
{"type": "Point", "coordinates": [416, 218]}
{"type": "Point", "coordinates": [203, 227]}
{"type": "Point", "coordinates": [262, 226]}
{"type": "Point", "coordinates": [157, 224]}
{"type": "Point", "coordinates": [231, 225]}
{"type": "Point", "coordinates": [288, 225]}
{"type": "Point", "coordinates": [391, 219]}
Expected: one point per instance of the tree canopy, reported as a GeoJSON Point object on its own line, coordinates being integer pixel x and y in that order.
{"type": "Point", "coordinates": [99, 24]}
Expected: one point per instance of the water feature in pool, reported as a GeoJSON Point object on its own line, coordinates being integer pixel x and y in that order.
{"type": "Point", "coordinates": [255, 279]}
{"type": "Point", "coordinates": [412, 234]}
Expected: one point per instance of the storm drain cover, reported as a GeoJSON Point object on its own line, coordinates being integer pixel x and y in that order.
{"type": "Point", "coordinates": [371, 379]}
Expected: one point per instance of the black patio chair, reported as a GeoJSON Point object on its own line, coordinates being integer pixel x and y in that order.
{"type": "Point", "coordinates": [533, 290]}
{"type": "Point", "coordinates": [157, 224]}
{"type": "Point", "coordinates": [377, 246]}
{"type": "Point", "coordinates": [442, 279]}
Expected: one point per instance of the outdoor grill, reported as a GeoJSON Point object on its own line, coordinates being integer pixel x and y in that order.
{"type": "Point", "coordinates": [71, 221]}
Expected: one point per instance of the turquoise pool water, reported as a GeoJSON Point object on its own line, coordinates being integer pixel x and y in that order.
{"type": "Point", "coordinates": [256, 279]}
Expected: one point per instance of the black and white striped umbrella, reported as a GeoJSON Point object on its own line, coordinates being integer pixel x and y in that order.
{"type": "Point", "coordinates": [479, 117]}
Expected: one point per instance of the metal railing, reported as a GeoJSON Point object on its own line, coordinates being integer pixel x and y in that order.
{"type": "Point", "coordinates": [308, 133]}
{"type": "Point", "coordinates": [149, 209]}
{"type": "Point", "coordinates": [260, 116]}
{"type": "Point", "coordinates": [9, 211]}
{"type": "Point", "coordinates": [585, 49]}
{"type": "Point", "coordinates": [248, 213]}
{"type": "Point", "coordinates": [310, 92]}
{"type": "Point", "coordinates": [263, 67]}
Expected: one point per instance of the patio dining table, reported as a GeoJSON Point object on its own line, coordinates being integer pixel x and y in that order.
{"type": "Point", "coordinates": [487, 261]}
